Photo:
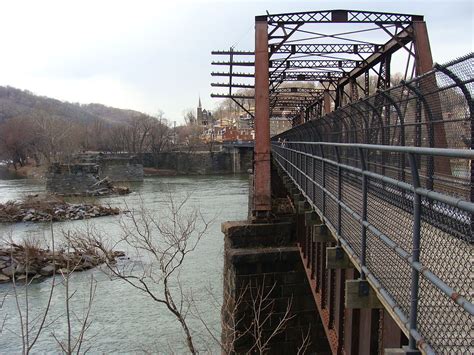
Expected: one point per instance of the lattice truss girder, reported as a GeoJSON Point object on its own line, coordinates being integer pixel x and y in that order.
{"type": "Point", "coordinates": [346, 52]}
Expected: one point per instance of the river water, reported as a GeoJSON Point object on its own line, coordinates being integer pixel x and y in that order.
{"type": "Point", "coordinates": [123, 320]}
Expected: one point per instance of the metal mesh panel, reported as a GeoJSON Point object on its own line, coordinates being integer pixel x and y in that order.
{"type": "Point", "coordinates": [390, 269]}
{"type": "Point", "coordinates": [360, 144]}
{"type": "Point", "coordinates": [391, 219]}
{"type": "Point", "coordinates": [446, 326]}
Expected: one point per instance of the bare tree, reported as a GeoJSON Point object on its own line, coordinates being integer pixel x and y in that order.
{"type": "Point", "coordinates": [73, 343]}
{"type": "Point", "coordinates": [190, 117]}
{"type": "Point", "coordinates": [247, 316]}
{"type": "Point", "coordinates": [33, 325]}
{"type": "Point", "coordinates": [162, 241]}
{"type": "Point", "coordinates": [30, 329]}
{"type": "Point", "coordinates": [16, 140]}
{"type": "Point", "coordinates": [262, 308]}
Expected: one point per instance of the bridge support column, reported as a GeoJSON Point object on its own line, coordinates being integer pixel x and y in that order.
{"type": "Point", "coordinates": [263, 270]}
{"type": "Point", "coordinates": [326, 102]}
{"type": "Point", "coordinates": [336, 258]}
{"type": "Point", "coordinates": [262, 194]}
{"type": "Point", "coordinates": [359, 294]}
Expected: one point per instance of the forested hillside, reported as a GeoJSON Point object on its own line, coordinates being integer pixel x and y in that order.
{"type": "Point", "coordinates": [15, 102]}
{"type": "Point", "coordinates": [47, 129]}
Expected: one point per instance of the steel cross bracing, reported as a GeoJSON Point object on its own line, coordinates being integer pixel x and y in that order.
{"type": "Point", "coordinates": [302, 49]}
{"type": "Point", "coordinates": [330, 48]}
{"type": "Point", "coordinates": [311, 64]}
{"type": "Point", "coordinates": [346, 52]}
{"type": "Point", "coordinates": [339, 16]}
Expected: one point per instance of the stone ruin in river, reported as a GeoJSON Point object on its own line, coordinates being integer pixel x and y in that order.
{"type": "Point", "coordinates": [94, 175]}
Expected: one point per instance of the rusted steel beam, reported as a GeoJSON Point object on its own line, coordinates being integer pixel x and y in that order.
{"type": "Point", "coordinates": [331, 76]}
{"type": "Point", "coordinates": [325, 48]}
{"type": "Point", "coordinates": [392, 336]}
{"type": "Point", "coordinates": [324, 276]}
{"type": "Point", "coordinates": [423, 57]}
{"type": "Point", "coordinates": [326, 102]}
{"type": "Point", "coordinates": [312, 64]}
{"type": "Point", "coordinates": [339, 306]}
{"type": "Point", "coordinates": [297, 90]}
{"type": "Point", "coordinates": [262, 190]}
{"type": "Point", "coordinates": [331, 296]}
{"type": "Point", "coordinates": [351, 322]}
{"type": "Point", "coordinates": [405, 36]}
{"type": "Point", "coordinates": [331, 334]}
{"type": "Point", "coordinates": [423, 64]}
{"type": "Point", "coordinates": [341, 16]}
{"type": "Point", "coordinates": [368, 331]}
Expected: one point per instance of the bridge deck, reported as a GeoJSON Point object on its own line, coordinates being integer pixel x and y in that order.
{"type": "Point", "coordinates": [443, 324]}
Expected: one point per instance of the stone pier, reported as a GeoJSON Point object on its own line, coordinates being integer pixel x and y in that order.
{"type": "Point", "coordinates": [266, 289]}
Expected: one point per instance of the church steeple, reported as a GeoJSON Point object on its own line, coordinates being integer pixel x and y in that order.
{"type": "Point", "coordinates": [199, 112]}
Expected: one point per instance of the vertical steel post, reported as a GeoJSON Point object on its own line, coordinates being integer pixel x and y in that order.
{"type": "Point", "coordinates": [326, 102]}
{"type": "Point", "coordinates": [339, 193]}
{"type": "Point", "coordinates": [423, 58]}
{"type": "Point", "coordinates": [366, 84]}
{"type": "Point", "coordinates": [415, 249]}
{"type": "Point", "coordinates": [262, 193]}
{"type": "Point", "coordinates": [323, 173]}
{"type": "Point", "coordinates": [364, 214]}
{"type": "Point", "coordinates": [423, 64]}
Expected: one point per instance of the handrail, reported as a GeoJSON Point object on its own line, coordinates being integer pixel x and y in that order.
{"type": "Point", "coordinates": [399, 197]}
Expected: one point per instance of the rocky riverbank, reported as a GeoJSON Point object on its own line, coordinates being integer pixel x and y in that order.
{"type": "Point", "coordinates": [34, 264]}
{"type": "Point", "coordinates": [103, 187]}
{"type": "Point", "coordinates": [45, 209]}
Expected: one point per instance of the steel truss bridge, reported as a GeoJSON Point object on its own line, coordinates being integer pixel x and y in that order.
{"type": "Point", "coordinates": [386, 165]}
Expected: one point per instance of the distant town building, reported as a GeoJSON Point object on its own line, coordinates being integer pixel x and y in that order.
{"type": "Point", "coordinates": [203, 117]}
{"type": "Point", "coordinates": [279, 125]}
{"type": "Point", "coordinates": [234, 128]}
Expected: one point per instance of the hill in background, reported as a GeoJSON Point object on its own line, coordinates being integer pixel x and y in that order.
{"type": "Point", "coordinates": [23, 103]}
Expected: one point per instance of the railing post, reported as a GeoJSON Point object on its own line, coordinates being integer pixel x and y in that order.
{"type": "Point", "coordinates": [415, 250]}
{"type": "Point", "coordinates": [339, 192]}
{"type": "Point", "coordinates": [323, 173]}
{"type": "Point", "coordinates": [363, 163]}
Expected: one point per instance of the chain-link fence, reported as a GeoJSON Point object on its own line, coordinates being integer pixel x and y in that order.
{"type": "Point", "coordinates": [392, 176]}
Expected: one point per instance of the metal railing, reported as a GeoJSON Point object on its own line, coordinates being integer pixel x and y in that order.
{"type": "Point", "coordinates": [391, 181]}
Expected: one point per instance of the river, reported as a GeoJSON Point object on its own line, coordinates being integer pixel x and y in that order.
{"type": "Point", "coordinates": [123, 320]}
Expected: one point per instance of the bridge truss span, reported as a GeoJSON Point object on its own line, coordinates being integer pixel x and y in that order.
{"type": "Point", "coordinates": [392, 177]}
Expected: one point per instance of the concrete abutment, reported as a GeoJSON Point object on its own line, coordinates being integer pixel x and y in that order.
{"type": "Point", "coordinates": [263, 270]}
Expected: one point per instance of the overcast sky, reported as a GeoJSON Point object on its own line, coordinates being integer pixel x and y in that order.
{"type": "Point", "coordinates": [151, 55]}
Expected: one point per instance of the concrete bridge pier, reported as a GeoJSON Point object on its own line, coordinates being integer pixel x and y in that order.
{"type": "Point", "coordinates": [268, 303]}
